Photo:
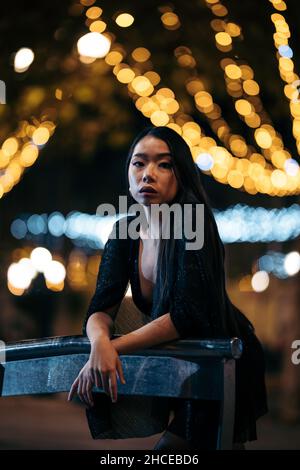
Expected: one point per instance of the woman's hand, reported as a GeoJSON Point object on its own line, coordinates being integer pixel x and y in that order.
{"type": "Point", "coordinates": [103, 362]}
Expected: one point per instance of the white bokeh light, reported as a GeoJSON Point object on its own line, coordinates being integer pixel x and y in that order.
{"type": "Point", "coordinates": [19, 276]}
{"type": "Point", "coordinates": [28, 265]}
{"type": "Point", "coordinates": [55, 272]}
{"type": "Point", "coordinates": [260, 281]}
{"type": "Point", "coordinates": [291, 167]}
{"type": "Point", "coordinates": [93, 45]}
{"type": "Point", "coordinates": [205, 161]}
{"type": "Point", "coordinates": [292, 263]}
{"type": "Point", "coordinates": [40, 258]}
{"type": "Point", "coordinates": [23, 59]}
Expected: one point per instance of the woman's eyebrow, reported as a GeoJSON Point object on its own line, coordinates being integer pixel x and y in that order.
{"type": "Point", "coordinates": [158, 155]}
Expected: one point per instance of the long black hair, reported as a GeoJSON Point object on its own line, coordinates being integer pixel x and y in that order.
{"type": "Point", "coordinates": [190, 190]}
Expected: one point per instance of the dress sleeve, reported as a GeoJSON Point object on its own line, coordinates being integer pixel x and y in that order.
{"type": "Point", "coordinates": [193, 308]}
{"type": "Point", "coordinates": [113, 277]}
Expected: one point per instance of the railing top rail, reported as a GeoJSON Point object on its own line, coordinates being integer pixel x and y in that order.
{"type": "Point", "coordinates": [65, 345]}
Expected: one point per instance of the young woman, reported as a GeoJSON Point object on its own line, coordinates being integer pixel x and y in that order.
{"type": "Point", "coordinates": [182, 291]}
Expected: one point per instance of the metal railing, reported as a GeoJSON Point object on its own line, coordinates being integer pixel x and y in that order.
{"type": "Point", "coordinates": [189, 369]}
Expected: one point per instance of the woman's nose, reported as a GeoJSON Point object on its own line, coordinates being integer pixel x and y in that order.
{"type": "Point", "coordinates": [149, 173]}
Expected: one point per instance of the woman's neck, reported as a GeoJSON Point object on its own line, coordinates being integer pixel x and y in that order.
{"type": "Point", "coordinates": [155, 225]}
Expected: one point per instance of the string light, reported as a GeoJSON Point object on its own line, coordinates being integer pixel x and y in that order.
{"type": "Point", "coordinates": [286, 67]}
{"type": "Point", "coordinates": [237, 224]}
{"type": "Point", "coordinates": [253, 174]}
{"type": "Point", "coordinates": [242, 86]}
{"type": "Point", "coordinates": [21, 150]}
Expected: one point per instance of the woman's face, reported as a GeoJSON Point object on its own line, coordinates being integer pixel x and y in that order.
{"type": "Point", "coordinates": [151, 173]}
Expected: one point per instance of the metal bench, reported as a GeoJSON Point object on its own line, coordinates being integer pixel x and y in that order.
{"type": "Point", "coordinates": [190, 368]}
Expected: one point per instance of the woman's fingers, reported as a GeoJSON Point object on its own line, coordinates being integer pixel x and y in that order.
{"type": "Point", "coordinates": [73, 389]}
{"type": "Point", "coordinates": [80, 390]}
{"type": "Point", "coordinates": [88, 400]}
{"type": "Point", "coordinates": [90, 397]}
{"type": "Point", "coordinates": [97, 380]}
{"type": "Point", "coordinates": [104, 380]}
{"type": "Point", "coordinates": [120, 371]}
{"type": "Point", "coordinates": [113, 386]}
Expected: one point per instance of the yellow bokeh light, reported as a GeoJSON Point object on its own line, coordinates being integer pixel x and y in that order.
{"type": "Point", "coordinates": [258, 158]}
{"type": "Point", "coordinates": [247, 72]}
{"type": "Point", "coordinates": [165, 93]}
{"type": "Point", "coordinates": [242, 165]}
{"type": "Point", "coordinates": [98, 26]}
{"type": "Point", "coordinates": [278, 178]}
{"type": "Point", "coordinates": [251, 87]}
{"type": "Point", "coordinates": [29, 155]}
{"type": "Point", "coordinates": [286, 64]}
{"type": "Point", "coordinates": [233, 71]}
{"type": "Point", "coordinates": [253, 120]}
{"type": "Point", "coordinates": [263, 138]}
{"type": "Point", "coordinates": [233, 29]}
{"type": "Point", "coordinates": [125, 75]}
{"type": "Point", "coordinates": [219, 10]}
{"type": "Point", "coordinates": [15, 290]}
{"type": "Point", "coordinates": [203, 99]}
{"type": "Point", "coordinates": [192, 131]}
{"type": "Point", "coordinates": [114, 58]}
{"type": "Point", "coordinates": [281, 6]}
{"type": "Point", "coordinates": [243, 107]}
{"type": "Point", "coordinates": [153, 77]}
{"type": "Point", "coordinates": [93, 13]}
{"type": "Point", "coordinates": [4, 159]}
{"type": "Point", "coordinates": [170, 19]}
{"type": "Point", "coordinates": [169, 105]}
{"type": "Point", "coordinates": [194, 86]}
{"type": "Point", "coordinates": [159, 118]}
{"type": "Point", "coordinates": [7, 182]}
{"type": "Point", "coordinates": [175, 127]}
{"type": "Point", "coordinates": [186, 60]}
{"type": "Point", "coordinates": [124, 20]}
{"type": "Point", "coordinates": [219, 171]}
{"type": "Point", "coordinates": [58, 94]}
{"type": "Point", "coordinates": [141, 54]}
{"type": "Point", "coordinates": [14, 170]}
{"type": "Point", "coordinates": [238, 146]}
{"type": "Point", "coordinates": [87, 3]}
{"type": "Point", "coordinates": [218, 25]}
{"type": "Point", "coordinates": [278, 158]}
{"type": "Point", "coordinates": [41, 136]}
{"type": "Point", "coordinates": [10, 146]}
{"type": "Point", "coordinates": [142, 86]}
{"type": "Point", "coordinates": [141, 101]}
{"type": "Point", "coordinates": [224, 39]}
{"type": "Point", "coordinates": [55, 287]}
{"type": "Point", "coordinates": [235, 179]}
{"type": "Point", "coordinates": [149, 108]}
{"type": "Point", "coordinates": [249, 185]}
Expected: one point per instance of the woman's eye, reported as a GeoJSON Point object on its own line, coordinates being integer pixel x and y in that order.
{"type": "Point", "coordinates": [166, 165]}
{"type": "Point", "coordinates": [138, 164]}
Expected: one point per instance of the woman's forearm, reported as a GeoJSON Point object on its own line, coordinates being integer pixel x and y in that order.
{"type": "Point", "coordinates": [160, 330]}
{"type": "Point", "coordinates": [99, 325]}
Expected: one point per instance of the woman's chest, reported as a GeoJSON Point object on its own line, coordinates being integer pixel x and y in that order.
{"type": "Point", "coordinates": [147, 264]}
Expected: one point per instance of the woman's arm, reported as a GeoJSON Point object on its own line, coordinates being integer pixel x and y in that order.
{"type": "Point", "coordinates": [101, 324]}
{"type": "Point", "coordinates": [160, 330]}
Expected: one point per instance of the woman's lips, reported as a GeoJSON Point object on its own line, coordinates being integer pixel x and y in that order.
{"type": "Point", "coordinates": [148, 193]}
{"type": "Point", "coordinates": [148, 189]}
